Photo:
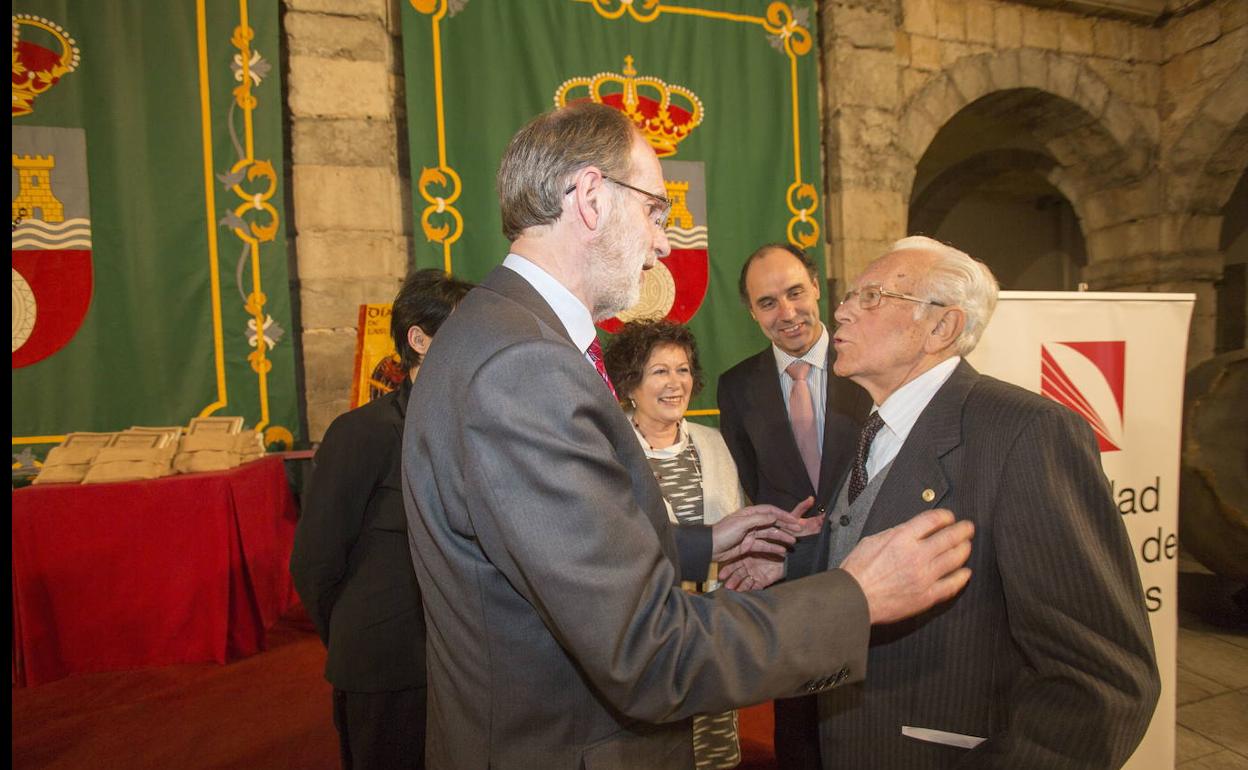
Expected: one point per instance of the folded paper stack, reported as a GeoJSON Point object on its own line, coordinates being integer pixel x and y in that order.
{"type": "Point", "coordinates": [68, 463]}
{"type": "Point", "coordinates": [217, 451]}
{"type": "Point", "coordinates": [135, 454]}
{"type": "Point", "coordinates": [208, 444]}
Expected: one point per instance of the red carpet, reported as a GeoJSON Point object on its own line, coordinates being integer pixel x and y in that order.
{"type": "Point", "coordinates": [267, 711]}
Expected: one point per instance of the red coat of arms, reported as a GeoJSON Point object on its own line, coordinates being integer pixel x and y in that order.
{"type": "Point", "coordinates": [665, 114]}
{"type": "Point", "coordinates": [52, 278]}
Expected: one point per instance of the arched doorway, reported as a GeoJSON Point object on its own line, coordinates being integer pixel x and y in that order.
{"type": "Point", "coordinates": [1033, 164]}
{"type": "Point", "coordinates": [984, 187]}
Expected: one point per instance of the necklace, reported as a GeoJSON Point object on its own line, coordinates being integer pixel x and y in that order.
{"type": "Point", "coordinates": [652, 447]}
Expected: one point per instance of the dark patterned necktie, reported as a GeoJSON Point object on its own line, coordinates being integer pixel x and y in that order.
{"type": "Point", "coordinates": [858, 478]}
{"type": "Point", "coordinates": [595, 354]}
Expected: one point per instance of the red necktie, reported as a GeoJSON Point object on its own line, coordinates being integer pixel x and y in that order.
{"type": "Point", "coordinates": [595, 354]}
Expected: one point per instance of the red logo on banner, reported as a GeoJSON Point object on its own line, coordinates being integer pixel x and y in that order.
{"type": "Point", "coordinates": [1089, 378]}
{"type": "Point", "coordinates": [51, 293]}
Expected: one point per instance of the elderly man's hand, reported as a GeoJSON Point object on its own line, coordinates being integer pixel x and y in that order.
{"type": "Point", "coordinates": [912, 566]}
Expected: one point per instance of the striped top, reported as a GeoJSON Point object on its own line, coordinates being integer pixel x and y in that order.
{"type": "Point", "coordinates": [680, 481]}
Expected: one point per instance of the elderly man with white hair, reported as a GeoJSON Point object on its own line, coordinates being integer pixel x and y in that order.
{"type": "Point", "coordinates": [1045, 660]}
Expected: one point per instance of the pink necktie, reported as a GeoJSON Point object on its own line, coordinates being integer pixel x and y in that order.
{"type": "Point", "coordinates": [802, 416]}
{"type": "Point", "coordinates": [595, 354]}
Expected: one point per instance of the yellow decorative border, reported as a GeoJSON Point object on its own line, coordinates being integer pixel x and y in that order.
{"type": "Point", "coordinates": [441, 175]}
{"type": "Point", "coordinates": [210, 208]}
{"type": "Point", "coordinates": [257, 234]}
{"type": "Point", "coordinates": [259, 201]}
{"type": "Point", "coordinates": [22, 440]}
{"type": "Point", "coordinates": [801, 198]}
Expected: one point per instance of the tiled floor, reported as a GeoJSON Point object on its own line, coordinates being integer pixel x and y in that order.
{"type": "Point", "coordinates": [1213, 679]}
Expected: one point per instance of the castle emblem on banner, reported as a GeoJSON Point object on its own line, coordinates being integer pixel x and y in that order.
{"type": "Point", "coordinates": [666, 115]}
{"type": "Point", "coordinates": [52, 274]}
{"type": "Point", "coordinates": [36, 67]}
{"type": "Point", "coordinates": [1090, 379]}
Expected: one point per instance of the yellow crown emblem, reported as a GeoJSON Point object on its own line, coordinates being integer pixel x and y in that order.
{"type": "Point", "coordinates": [665, 114]}
{"type": "Point", "coordinates": [35, 67]}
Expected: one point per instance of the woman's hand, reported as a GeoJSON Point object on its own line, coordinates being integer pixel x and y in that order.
{"type": "Point", "coordinates": [758, 561]}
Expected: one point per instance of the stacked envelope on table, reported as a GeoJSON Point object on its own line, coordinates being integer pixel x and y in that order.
{"type": "Point", "coordinates": [216, 444]}
{"type": "Point", "coordinates": [135, 454]}
{"type": "Point", "coordinates": [68, 463]}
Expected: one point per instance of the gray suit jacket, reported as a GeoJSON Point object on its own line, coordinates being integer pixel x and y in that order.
{"type": "Point", "coordinates": [1047, 653]}
{"type": "Point", "coordinates": [558, 636]}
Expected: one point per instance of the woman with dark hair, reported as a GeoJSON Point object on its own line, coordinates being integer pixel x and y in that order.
{"type": "Point", "coordinates": [352, 564]}
{"type": "Point", "coordinates": [654, 366]}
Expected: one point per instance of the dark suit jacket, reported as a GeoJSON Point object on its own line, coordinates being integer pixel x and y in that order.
{"type": "Point", "coordinates": [1047, 653]}
{"type": "Point", "coordinates": [351, 562]}
{"type": "Point", "coordinates": [559, 636]}
{"type": "Point", "coordinates": [758, 433]}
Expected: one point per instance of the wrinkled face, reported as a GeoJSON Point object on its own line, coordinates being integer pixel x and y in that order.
{"type": "Point", "coordinates": [666, 384]}
{"type": "Point", "coordinates": [880, 348]}
{"type": "Point", "coordinates": [784, 301]}
{"type": "Point", "coordinates": [631, 239]}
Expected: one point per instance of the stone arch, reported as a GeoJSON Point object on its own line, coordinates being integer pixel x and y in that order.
{"type": "Point", "coordinates": [1005, 204]}
{"type": "Point", "coordinates": [929, 205]}
{"type": "Point", "coordinates": [1208, 160]}
{"type": "Point", "coordinates": [1098, 141]}
{"type": "Point", "coordinates": [1206, 166]}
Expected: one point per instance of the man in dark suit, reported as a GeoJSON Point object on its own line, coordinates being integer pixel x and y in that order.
{"type": "Point", "coordinates": [1046, 659]}
{"type": "Point", "coordinates": [791, 438]}
{"type": "Point", "coordinates": [559, 636]}
{"type": "Point", "coordinates": [351, 562]}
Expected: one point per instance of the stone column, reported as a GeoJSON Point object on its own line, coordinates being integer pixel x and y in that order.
{"type": "Point", "coordinates": [349, 181]}
{"type": "Point", "coordinates": [866, 201]}
{"type": "Point", "coordinates": [1185, 272]}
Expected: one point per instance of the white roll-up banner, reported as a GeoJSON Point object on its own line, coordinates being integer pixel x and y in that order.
{"type": "Point", "coordinates": [1117, 359]}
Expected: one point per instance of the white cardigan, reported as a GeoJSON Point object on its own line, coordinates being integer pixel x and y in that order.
{"type": "Point", "coordinates": [721, 489]}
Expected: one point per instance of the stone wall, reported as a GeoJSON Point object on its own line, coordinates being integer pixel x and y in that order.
{"type": "Point", "coordinates": [351, 211]}
{"type": "Point", "coordinates": [1146, 124]}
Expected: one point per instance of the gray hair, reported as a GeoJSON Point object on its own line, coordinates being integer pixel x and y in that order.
{"type": "Point", "coordinates": [955, 279]}
{"type": "Point", "coordinates": [542, 157]}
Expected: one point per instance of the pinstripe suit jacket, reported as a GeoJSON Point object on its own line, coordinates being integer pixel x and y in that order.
{"type": "Point", "coordinates": [1047, 653]}
{"type": "Point", "coordinates": [558, 635]}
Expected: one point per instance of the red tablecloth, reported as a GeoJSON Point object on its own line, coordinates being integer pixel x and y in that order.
{"type": "Point", "coordinates": [176, 570]}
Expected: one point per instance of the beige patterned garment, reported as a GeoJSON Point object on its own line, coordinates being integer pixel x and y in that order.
{"type": "Point", "coordinates": [715, 743]}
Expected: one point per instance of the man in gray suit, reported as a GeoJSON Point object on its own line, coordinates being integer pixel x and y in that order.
{"type": "Point", "coordinates": [1046, 659]}
{"type": "Point", "coordinates": [558, 634]}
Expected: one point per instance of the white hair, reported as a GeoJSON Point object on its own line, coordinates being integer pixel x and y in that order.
{"type": "Point", "coordinates": [957, 280]}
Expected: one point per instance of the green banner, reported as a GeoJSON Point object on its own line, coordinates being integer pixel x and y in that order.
{"type": "Point", "coordinates": [726, 91]}
{"type": "Point", "coordinates": [149, 251]}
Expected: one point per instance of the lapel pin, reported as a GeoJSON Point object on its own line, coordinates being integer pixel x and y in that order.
{"type": "Point", "coordinates": [928, 495]}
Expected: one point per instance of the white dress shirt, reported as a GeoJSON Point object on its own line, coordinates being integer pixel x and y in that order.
{"type": "Point", "coordinates": [572, 312]}
{"type": "Point", "coordinates": [816, 377]}
{"type": "Point", "coordinates": [901, 411]}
